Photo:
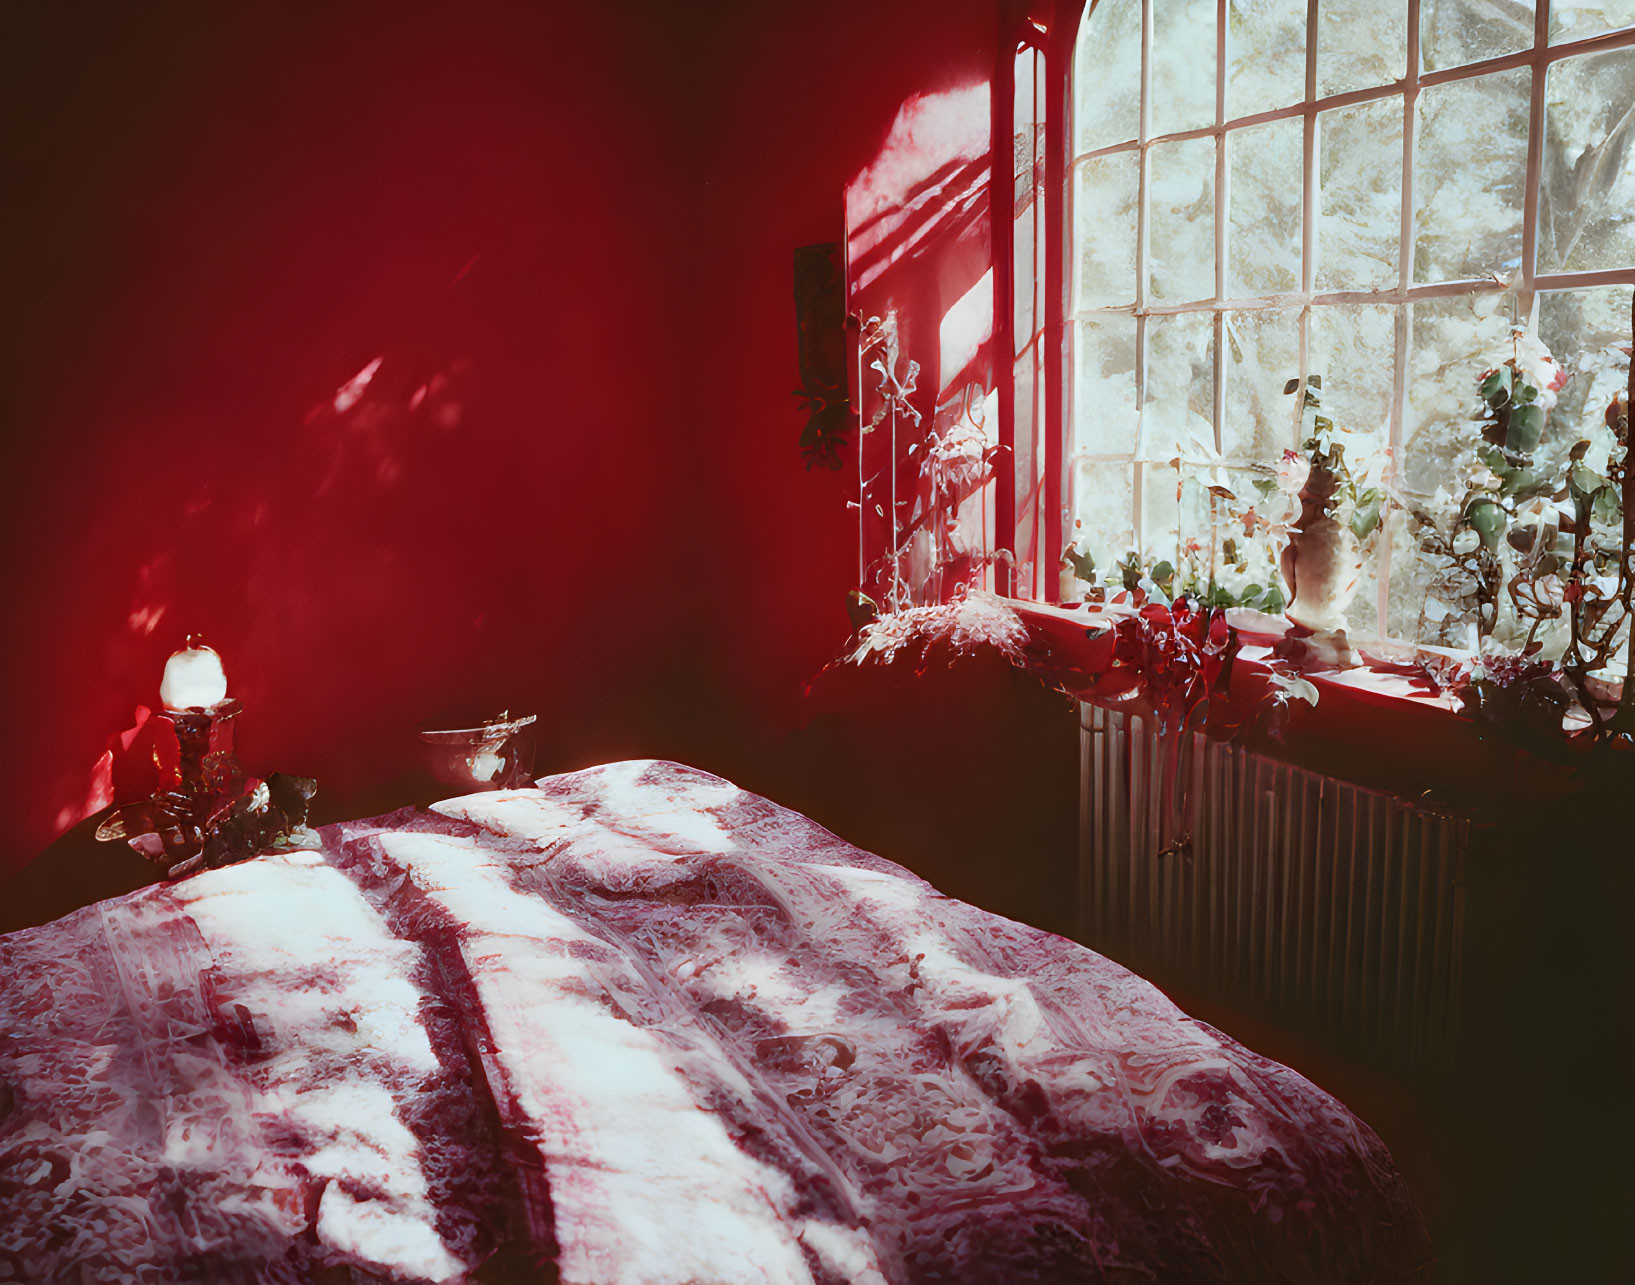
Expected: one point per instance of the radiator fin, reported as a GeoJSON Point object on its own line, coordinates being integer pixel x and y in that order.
{"type": "Point", "coordinates": [1248, 881]}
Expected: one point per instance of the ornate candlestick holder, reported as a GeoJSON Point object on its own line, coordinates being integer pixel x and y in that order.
{"type": "Point", "coordinates": [205, 765]}
{"type": "Point", "coordinates": [206, 811]}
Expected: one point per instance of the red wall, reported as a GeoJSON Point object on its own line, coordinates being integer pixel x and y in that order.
{"type": "Point", "coordinates": [803, 102]}
{"type": "Point", "coordinates": [582, 221]}
{"type": "Point", "coordinates": [968, 775]}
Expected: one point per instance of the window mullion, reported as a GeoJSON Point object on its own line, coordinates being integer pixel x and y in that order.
{"type": "Point", "coordinates": [1222, 230]}
{"type": "Point", "coordinates": [1041, 267]}
{"type": "Point", "coordinates": [1143, 222]}
{"type": "Point", "coordinates": [1392, 295]}
{"type": "Point", "coordinates": [1064, 282]}
{"type": "Point", "coordinates": [1526, 292]}
{"type": "Point", "coordinates": [1584, 280]}
{"type": "Point", "coordinates": [1036, 312]}
{"type": "Point", "coordinates": [1405, 279]}
{"type": "Point", "coordinates": [1308, 204]}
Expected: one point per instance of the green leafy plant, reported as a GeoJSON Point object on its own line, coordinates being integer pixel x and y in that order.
{"type": "Point", "coordinates": [1531, 550]}
{"type": "Point", "coordinates": [1504, 541]}
{"type": "Point", "coordinates": [1360, 508]}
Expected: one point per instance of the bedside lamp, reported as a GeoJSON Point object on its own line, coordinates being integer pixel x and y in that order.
{"type": "Point", "coordinates": [194, 694]}
{"type": "Point", "coordinates": [194, 678]}
{"type": "Point", "coordinates": [206, 812]}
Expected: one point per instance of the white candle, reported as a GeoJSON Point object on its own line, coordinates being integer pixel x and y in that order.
{"type": "Point", "coordinates": [485, 765]}
{"type": "Point", "coordinates": [193, 678]}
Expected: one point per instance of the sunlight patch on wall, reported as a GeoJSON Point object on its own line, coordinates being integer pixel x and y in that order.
{"type": "Point", "coordinates": [965, 328]}
{"type": "Point", "coordinates": [931, 173]}
{"type": "Point", "coordinates": [347, 395]}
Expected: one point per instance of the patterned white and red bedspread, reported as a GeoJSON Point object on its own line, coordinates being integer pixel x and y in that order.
{"type": "Point", "coordinates": [637, 1025]}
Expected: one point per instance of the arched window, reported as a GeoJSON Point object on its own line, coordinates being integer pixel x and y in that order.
{"type": "Point", "coordinates": [1365, 194]}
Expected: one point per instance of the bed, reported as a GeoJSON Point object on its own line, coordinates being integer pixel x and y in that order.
{"type": "Point", "coordinates": [638, 1025]}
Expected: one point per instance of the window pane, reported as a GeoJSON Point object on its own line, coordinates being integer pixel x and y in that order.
{"type": "Point", "coordinates": [1255, 565]}
{"type": "Point", "coordinates": [1104, 420]}
{"type": "Point", "coordinates": [1104, 216]}
{"type": "Point", "coordinates": [1264, 242]}
{"type": "Point", "coordinates": [1022, 100]}
{"type": "Point", "coordinates": [1412, 574]}
{"type": "Point", "coordinates": [1027, 166]}
{"type": "Point", "coordinates": [1183, 66]}
{"type": "Point", "coordinates": [1470, 177]}
{"type": "Point", "coordinates": [1354, 349]}
{"type": "Point", "coordinates": [1576, 19]}
{"type": "Point", "coordinates": [1262, 355]}
{"type": "Point", "coordinates": [1160, 510]}
{"type": "Point", "coordinates": [1024, 285]}
{"type": "Point", "coordinates": [1362, 613]}
{"type": "Point", "coordinates": [1024, 424]}
{"type": "Point", "coordinates": [1586, 331]}
{"type": "Point", "coordinates": [1180, 523]}
{"type": "Point", "coordinates": [1360, 201]}
{"type": "Point", "coordinates": [1181, 210]}
{"type": "Point", "coordinates": [1587, 205]}
{"type": "Point", "coordinates": [1177, 416]}
{"type": "Point", "coordinates": [1455, 32]}
{"type": "Point", "coordinates": [1589, 333]}
{"type": "Point", "coordinates": [1025, 451]}
{"type": "Point", "coordinates": [1107, 76]}
{"type": "Point", "coordinates": [1197, 529]}
{"type": "Point", "coordinates": [1265, 55]}
{"type": "Point", "coordinates": [1451, 342]}
{"type": "Point", "coordinates": [1360, 43]}
{"type": "Point", "coordinates": [1103, 495]}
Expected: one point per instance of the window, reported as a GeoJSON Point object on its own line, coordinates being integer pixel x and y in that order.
{"type": "Point", "coordinates": [1029, 281]}
{"type": "Point", "coordinates": [920, 289]}
{"type": "Point", "coordinates": [1365, 194]}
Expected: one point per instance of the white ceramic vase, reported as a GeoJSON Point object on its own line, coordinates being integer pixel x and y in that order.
{"type": "Point", "coordinates": [1322, 562]}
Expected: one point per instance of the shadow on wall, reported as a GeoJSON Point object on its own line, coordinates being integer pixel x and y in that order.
{"type": "Point", "coordinates": [967, 774]}
{"type": "Point", "coordinates": [571, 226]}
{"type": "Point", "coordinates": [320, 341]}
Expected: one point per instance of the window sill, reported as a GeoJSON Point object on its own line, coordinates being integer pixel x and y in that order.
{"type": "Point", "coordinates": [1371, 726]}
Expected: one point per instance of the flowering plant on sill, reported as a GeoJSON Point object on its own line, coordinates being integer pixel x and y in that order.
{"type": "Point", "coordinates": [1501, 529]}
{"type": "Point", "coordinates": [1173, 657]}
{"type": "Point", "coordinates": [1304, 528]}
{"type": "Point", "coordinates": [1322, 552]}
{"type": "Point", "coordinates": [1530, 554]}
{"type": "Point", "coordinates": [1542, 552]}
{"type": "Point", "coordinates": [1310, 501]}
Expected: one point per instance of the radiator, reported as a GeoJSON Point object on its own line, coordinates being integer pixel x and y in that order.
{"type": "Point", "coordinates": [1304, 899]}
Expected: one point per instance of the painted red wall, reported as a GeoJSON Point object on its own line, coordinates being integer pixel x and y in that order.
{"type": "Point", "coordinates": [226, 212]}
{"type": "Point", "coordinates": [581, 220]}
{"type": "Point", "coordinates": [968, 775]}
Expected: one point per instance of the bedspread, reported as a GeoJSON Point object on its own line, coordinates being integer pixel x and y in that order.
{"type": "Point", "coordinates": [638, 1025]}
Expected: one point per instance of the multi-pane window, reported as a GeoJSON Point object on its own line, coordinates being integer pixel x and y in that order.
{"type": "Point", "coordinates": [1373, 192]}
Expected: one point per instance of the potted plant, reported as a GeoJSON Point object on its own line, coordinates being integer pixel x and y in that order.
{"type": "Point", "coordinates": [1322, 560]}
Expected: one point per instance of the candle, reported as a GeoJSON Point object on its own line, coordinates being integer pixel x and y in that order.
{"type": "Point", "coordinates": [486, 765]}
{"type": "Point", "coordinates": [194, 678]}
